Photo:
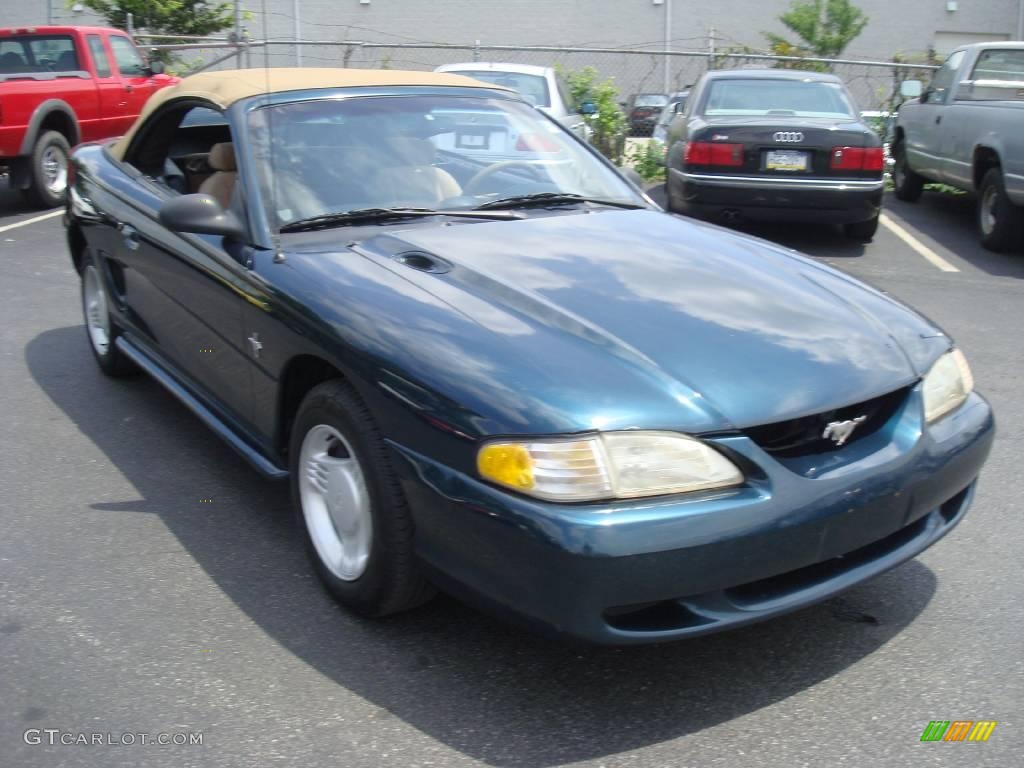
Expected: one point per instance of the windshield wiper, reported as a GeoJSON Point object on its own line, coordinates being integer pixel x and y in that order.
{"type": "Point", "coordinates": [552, 198]}
{"type": "Point", "coordinates": [383, 214]}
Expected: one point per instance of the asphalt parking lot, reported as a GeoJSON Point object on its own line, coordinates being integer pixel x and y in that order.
{"type": "Point", "coordinates": [150, 582]}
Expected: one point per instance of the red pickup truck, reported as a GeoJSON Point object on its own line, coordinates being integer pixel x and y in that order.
{"type": "Point", "coordinates": [60, 86]}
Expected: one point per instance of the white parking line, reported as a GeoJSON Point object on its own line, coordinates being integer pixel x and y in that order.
{"type": "Point", "coordinates": [916, 244]}
{"type": "Point", "coordinates": [33, 220]}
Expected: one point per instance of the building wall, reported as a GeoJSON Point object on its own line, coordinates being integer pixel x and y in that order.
{"type": "Point", "coordinates": [909, 27]}
{"type": "Point", "coordinates": [906, 27]}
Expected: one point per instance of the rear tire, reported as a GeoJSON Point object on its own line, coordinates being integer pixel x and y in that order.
{"type": "Point", "coordinates": [356, 522]}
{"type": "Point", "coordinates": [100, 327]}
{"type": "Point", "coordinates": [48, 169]}
{"type": "Point", "coordinates": [861, 231]}
{"type": "Point", "coordinates": [907, 184]}
{"type": "Point", "coordinates": [1000, 221]}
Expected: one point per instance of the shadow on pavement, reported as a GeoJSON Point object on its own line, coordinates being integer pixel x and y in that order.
{"type": "Point", "coordinates": [490, 691]}
{"type": "Point", "coordinates": [807, 237]}
{"type": "Point", "coordinates": [950, 220]}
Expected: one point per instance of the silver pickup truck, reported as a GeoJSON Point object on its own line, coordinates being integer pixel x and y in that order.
{"type": "Point", "coordinates": [966, 129]}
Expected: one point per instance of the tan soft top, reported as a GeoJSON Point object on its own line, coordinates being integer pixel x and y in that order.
{"type": "Point", "coordinates": [225, 87]}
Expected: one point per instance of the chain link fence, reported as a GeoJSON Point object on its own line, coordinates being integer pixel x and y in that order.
{"type": "Point", "coordinates": [874, 84]}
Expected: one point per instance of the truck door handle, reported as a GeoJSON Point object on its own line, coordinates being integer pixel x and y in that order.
{"type": "Point", "coordinates": [129, 87]}
{"type": "Point", "coordinates": [130, 236]}
{"type": "Point", "coordinates": [938, 119]}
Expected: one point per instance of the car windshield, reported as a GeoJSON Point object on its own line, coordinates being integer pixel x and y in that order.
{"type": "Point", "coordinates": [533, 87]}
{"type": "Point", "coordinates": [762, 97]}
{"type": "Point", "coordinates": [650, 100]}
{"type": "Point", "coordinates": [326, 156]}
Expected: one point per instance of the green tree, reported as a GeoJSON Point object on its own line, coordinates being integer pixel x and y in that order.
{"type": "Point", "coordinates": [166, 17]}
{"type": "Point", "coordinates": [824, 28]}
{"type": "Point", "coordinates": [607, 122]}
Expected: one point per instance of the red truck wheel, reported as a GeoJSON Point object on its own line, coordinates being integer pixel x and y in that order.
{"type": "Point", "coordinates": [48, 169]}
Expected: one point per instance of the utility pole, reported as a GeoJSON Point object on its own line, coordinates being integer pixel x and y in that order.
{"type": "Point", "coordinates": [711, 48]}
{"type": "Point", "coordinates": [297, 14]}
{"type": "Point", "coordinates": [238, 33]}
{"type": "Point", "coordinates": [666, 85]}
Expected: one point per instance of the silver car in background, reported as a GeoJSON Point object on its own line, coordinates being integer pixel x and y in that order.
{"type": "Point", "coordinates": [542, 86]}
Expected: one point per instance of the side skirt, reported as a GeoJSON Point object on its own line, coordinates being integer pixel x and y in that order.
{"type": "Point", "coordinates": [261, 463]}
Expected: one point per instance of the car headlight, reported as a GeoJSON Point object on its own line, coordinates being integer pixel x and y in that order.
{"type": "Point", "coordinates": [611, 465]}
{"type": "Point", "coordinates": [946, 385]}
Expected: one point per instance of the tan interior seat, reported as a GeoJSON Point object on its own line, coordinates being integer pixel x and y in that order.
{"type": "Point", "coordinates": [413, 179]}
{"type": "Point", "coordinates": [221, 184]}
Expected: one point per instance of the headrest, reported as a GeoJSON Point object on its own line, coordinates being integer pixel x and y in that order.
{"type": "Point", "coordinates": [222, 156]}
{"type": "Point", "coordinates": [411, 151]}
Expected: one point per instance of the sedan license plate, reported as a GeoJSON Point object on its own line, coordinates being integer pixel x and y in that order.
{"type": "Point", "coordinates": [472, 140]}
{"type": "Point", "coordinates": [786, 160]}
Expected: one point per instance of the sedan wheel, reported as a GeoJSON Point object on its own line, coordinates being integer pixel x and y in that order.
{"type": "Point", "coordinates": [358, 528]}
{"type": "Point", "coordinates": [335, 502]}
{"type": "Point", "coordinates": [99, 325]}
{"type": "Point", "coordinates": [97, 317]}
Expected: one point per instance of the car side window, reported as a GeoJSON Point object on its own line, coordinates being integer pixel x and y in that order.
{"type": "Point", "coordinates": [999, 64]}
{"type": "Point", "coordinates": [942, 82]}
{"type": "Point", "coordinates": [99, 56]}
{"type": "Point", "coordinates": [129, 62]}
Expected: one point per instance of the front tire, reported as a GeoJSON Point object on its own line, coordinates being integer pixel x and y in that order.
{"type": "Point", "coordinates": [357, 525]}
{"type": "Point", "coordinates": [99, 325]}
{"type": "Point", "coordinates": [48, 169]}
{"type": "Point", "coordinates": [1000, 221]}
{"type": "Point", "coordinates": [861, 231]}
{"type": "Point", "coordinates": [907, 185]}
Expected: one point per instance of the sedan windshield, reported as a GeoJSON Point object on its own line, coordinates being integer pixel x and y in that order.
{"type": "Point", "coordinates": [762, 97]}
{"type": "Point", "coordinates": [447, 153]}
{"type": "Point", "coordinates": [650, 100]}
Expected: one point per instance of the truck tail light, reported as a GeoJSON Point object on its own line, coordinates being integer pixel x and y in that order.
{"type": "Point", "coordinates": [713, 153]}
{"type": "Point", "coordinates": [856, 159]}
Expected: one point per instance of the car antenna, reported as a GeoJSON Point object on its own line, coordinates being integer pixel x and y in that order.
{"type": "Point", "coordinates": [275, 230]}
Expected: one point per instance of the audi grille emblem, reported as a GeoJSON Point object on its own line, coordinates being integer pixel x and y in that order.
{"type": "Point", "coordinates": [790, 137]}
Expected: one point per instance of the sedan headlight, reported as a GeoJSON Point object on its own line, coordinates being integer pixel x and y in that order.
{"type": "Point", "coordinates": [611, 465]}
{"type": "Point", "coordinates": [946, 385]}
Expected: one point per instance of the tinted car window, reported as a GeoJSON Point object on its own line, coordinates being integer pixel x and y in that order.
{"type": "Point", "coordinates": [999, 65]}
{"type": "Point", "coordinates": [38, 53]}
{"type": "Point", "coordinates": [129, 62]}
{"type": "Point", "coordinates": [533, 87]}
{"type": "Point", "coordinates": [762, 97]}
{"type": "Point", "coordinates": [99, 56]}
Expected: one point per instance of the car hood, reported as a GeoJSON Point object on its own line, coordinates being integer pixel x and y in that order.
{"type": "Point", "coordinates": [732, 330]}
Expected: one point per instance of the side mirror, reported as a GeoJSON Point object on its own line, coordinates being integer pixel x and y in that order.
{"type": "Point", "coordinates": [200, 214]}
{"type": "Point", "coordinates": [910, 89]}
{"type": "Point", "coordinates": [155, 66]}
{"type": "Point", "coordinates": [588, 108]}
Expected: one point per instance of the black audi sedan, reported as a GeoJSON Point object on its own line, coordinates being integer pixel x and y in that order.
{"type": "Point", "coordinates": [779, 145]}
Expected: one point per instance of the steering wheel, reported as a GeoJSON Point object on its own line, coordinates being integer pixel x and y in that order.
{"type": "Point", "coordinates": [486, 173]}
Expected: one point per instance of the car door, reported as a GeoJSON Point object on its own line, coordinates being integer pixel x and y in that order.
{"type": "Point", "coordinates": [185, 295]}
{"type": "Point", "coordinates": [110, 93]}
{"type": "Point", "coordinates": [136, 81]}
{"type": "Point", "coordinates": [924, 143]}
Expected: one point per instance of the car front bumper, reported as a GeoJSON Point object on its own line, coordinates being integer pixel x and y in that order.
{"type": "Point", "coordinates": [779, 199]}
{"type": "Point", "coordinates": [660, 569]}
